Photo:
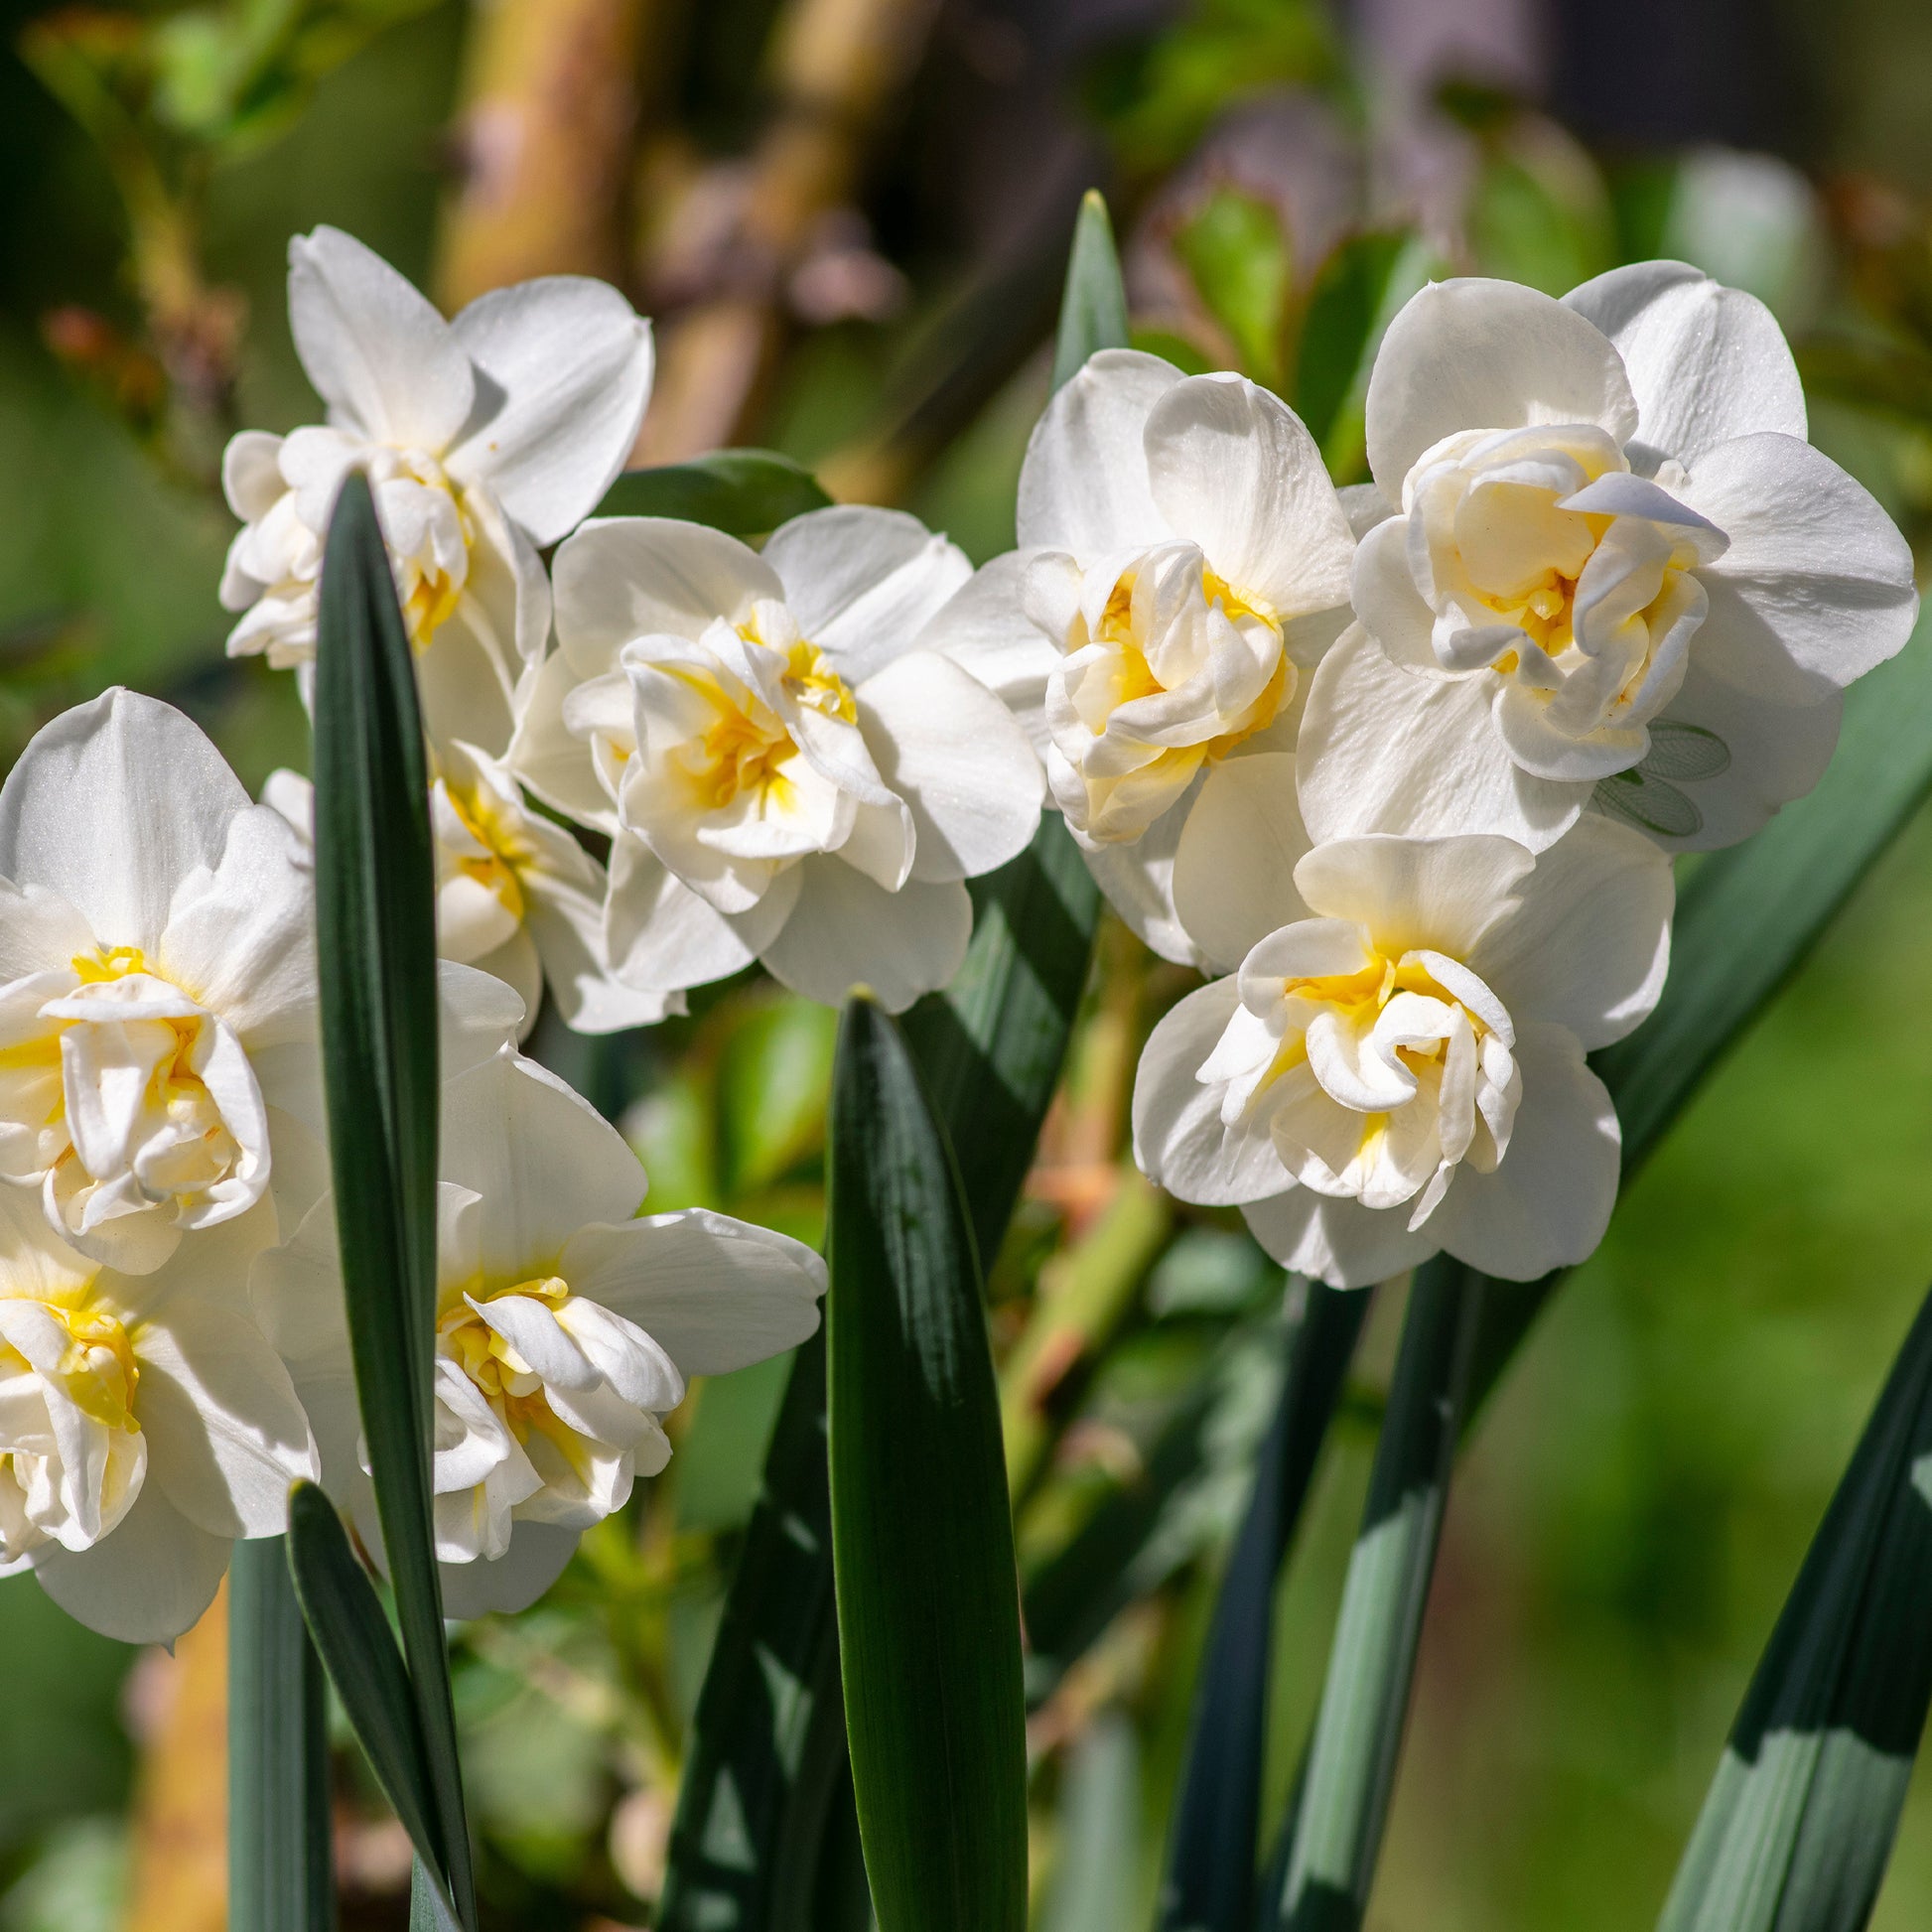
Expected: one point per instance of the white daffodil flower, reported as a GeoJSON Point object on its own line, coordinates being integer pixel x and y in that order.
{"type": "Point", "coordinates": [566, 1329]}
{"type": "Point", "coordinates": [145, 1424]}
{"type": "Point", "coordinates": [516, 896]}
{"type": "Point", "coordinates": [485, 439]}
{"type": "Point", "coordinates": [157, 982]}
{"type": "Point", "coordinates": [786, 774]}
{"type": "Point", "coordinates": [1183, 560]}
{"type": "Point", "coordinates": [1616, 571]}
{"type": "Point", "coordinates": [1397, 1066]}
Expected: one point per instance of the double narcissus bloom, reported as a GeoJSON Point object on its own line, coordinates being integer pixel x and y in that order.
{"type": "Point", "coordinates": [1614, 572]}
{"type": "Point", "coordinates": [485, 439]}
{"type": "Point", "coordinates": [1184, 561]}
{"type": "Point", "coordinates": [566, 1329]}
{"type": "Point", "coordinates": [1397, 1066]}
{"type": "Point", "coordinates": [786, 772]}
{"type": "Point", "coordinates": [156, 983]}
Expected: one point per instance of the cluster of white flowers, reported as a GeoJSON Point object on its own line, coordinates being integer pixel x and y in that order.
{"type": "Point", "coordinates": [1402, 765]}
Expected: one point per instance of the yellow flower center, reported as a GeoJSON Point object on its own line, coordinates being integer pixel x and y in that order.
{"type": "Point", "coordinates": [498, 868]}
{"type": "Point", "coordinates": [98, 1369]}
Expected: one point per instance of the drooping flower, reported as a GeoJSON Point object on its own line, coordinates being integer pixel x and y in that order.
{"type": "Point", "coordinates": [1184, 561]}
{"type": "Point", "coordinates": [485, 439]}
{"type": "Point", "coordinates": [157, 982]}
{"type": "Point", "coordinates": [785, 775]}
{"type": "Point", "coordinates": [566, 1329]}
{"type": "Point", "coordinates": [145, 1424]}
{"type": "Point", "coordinates": [1397, 1066]}
{"type": "Point", "coordinates": [1614, 572]}
{"type": "Point", "coordinates": [516, 896]}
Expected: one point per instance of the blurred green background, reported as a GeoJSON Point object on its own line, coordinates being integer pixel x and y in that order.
{"type": "Point", "coordinates": [850, 216]}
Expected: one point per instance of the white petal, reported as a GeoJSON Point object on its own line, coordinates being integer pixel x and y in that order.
{"type": "Point", "coordinates": [862, 583]}
{"type": "Point", "coordinates": [1817, 579]}
{"type": "Point", "coordinates": [984, 628]}
{"type": "Point", "coordinates": [1441, 895]}
{"type": "Point", "coordinates": [1480, 355]}
{"type": "Point", "coordinates": [544, 1161]}
{"type": "Point", "coordinates": [565, 370]}
{"type": "Point", "coordinates": [514, 1580]}
{"type": "Point", "coordinates": [714, 1293]}
{"type": "Point", "coordinates": [477, 1017]}
{"type": "Point", "coordinates": [226, 1433]}
{"type": "Point", "coordinates": [845, 931]}
{"type": "Point", "coordinates": [1392, 610]}
{"type": "Point", "coordinates": [159, 802]}
{"type": "Point", "coordinates": [1234, 870]}
{"type": "Point", "coordinates": [659, 935]}
{"type": "Point", "coordinates": [381, 357]}
{"type": "Point", "coordinates": [952, 750]}
{"type": "Point", "coordinates": [1591, 944]}
{"type": "Point", "coordinates": [1084, 487]}
{"type": "Point", "coordinates": [251, 475]}
{"type": "Point", "coordinates": [1549, 1200]}
{"type": "Point", "coordinates": [625, 577]}
{"type": "Point", "coordinates": [147, 1581]}
{"type": "Point", "coordinates": [1232, 468]}
{"type": "Point", "coordinates": [567, 923]}
{"type": "Point", "coordinates": [1388, 749]}
{"type": "Point", "coordinates": [1137, 879]}
{"type": "Point", "coordinates": [1705, 362]}
{"type": "Point", "coordinates": [40, 931]}
{"type": "Point", "coordinates": [1336, 1240]}
{"type": "Point", "coordinates": [1180, 1142]}
{"type": "Point", "coordinates": [552, 760]}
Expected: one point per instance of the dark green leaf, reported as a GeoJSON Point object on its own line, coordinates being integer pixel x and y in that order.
{"type": "Point", "coordinates": [375, 935]}
{"type": "Point", "coordinates": [1093, 1885]}
{"type": "Point", "coordinates": [1093, 311]}
{"type": "Point", "coordinates": [1210, 1881]}
{"type": "Point", "coordinates": [1344, 1799]}
{"type": "Point", "coordinates": [744, 491]}
{"type": "Point", "coordinates": [1341, 326]}
{"type": "Point", "coordinates": [280, 1874]}
{"type": "Point", "coordinates": [359, 1650]}
{"type": "Point", "coordinates": [1239, 258]}
{"type": "Point", "coordinates": [921, 1537]}
{"type": "Point", "coordinates": [1799, 1824]}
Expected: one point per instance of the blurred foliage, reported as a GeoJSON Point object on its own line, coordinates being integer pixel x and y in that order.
{"type": "Point", "coordinates": [1636, 1504]}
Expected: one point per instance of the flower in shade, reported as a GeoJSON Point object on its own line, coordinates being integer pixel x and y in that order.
{"type": "Point", "coordinates": [1184, 561]}
{"type": "Point", "coordinates": [1397, 1065]}
{"type": "Point", "coordinates": [157, 982]}
{"type": "Point", "coordinates": [145, 1423]}
{"type": "Point", "coordinates": [566, 1329]}
{"type": "Point", "coordinates": [1611, 570]}
{"type": "Point", "coordinates": [786, 774]}
{"type": "Point", "coordinates": [485, 439]}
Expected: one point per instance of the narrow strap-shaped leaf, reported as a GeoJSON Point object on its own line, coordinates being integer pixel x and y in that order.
{"type": "Point", "coordinates": [744, 491]}
{"type": "Point", "coordinates": [928, 1601]}
{"type": "Point", "coordinates": [1093, 311]}
{"type": "Point", "coordinates": [768, 1737]}
{"type": "Point", "coordinates": [1745, 922]}
{"type": "Point", "coordinates": [1798, 1827]}
{"type": "Point", "coordinates": [280, 1871]}
{"type": "Point", "coordinates": [1210, 1881]}
{"type": "Point", "coordinates": [376, 939]}
{"type": "Point", "coordinates": [760, 1782]}
{"type": "Point", "coordinates": [1344, 1799]}
{"type": "Point", "coordinates": [359, 1651]}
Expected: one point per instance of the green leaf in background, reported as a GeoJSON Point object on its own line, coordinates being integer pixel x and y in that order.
{"type": "Point", "coordinates": [280, 1868]}
{"type": "Point", "coordinates": [375, 936]}
{"type": "Point", "coordinates": [744, 491]}
{"type": "Point", "coordinates": [1242, 264]}
{"type": "Point", "coordinates": [1798, 1827]}
{"type": "Point", "coordinates": [359, 1650]}
{"type": "Point", "coordinates": [1093, 309]}
{"type": "Point", "coordinates": [927, 1597]}
{"type": "Point", "coordinates": [1342, 1804]}
{"type": "Point", "coordinates": [1092, 1884]}
{"type": "Point", "coordinates": [1210, 1877]}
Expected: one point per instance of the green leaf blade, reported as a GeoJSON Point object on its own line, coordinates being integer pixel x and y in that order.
{"type": "Point", "coordinates": [280, 1846]}
{"type": "Point", "coordinates": [744, 493]}
{"type": "Point", "coordinates": [377, 943]}
{"type": "Point", "coordinates": [1093, 310]}
{"type": "Point", "coordinates": [1798, 1827]}
{"type": "Point", "coordinates": [922, 1540]}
